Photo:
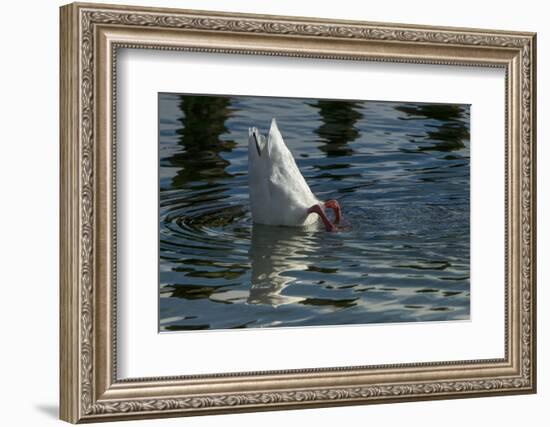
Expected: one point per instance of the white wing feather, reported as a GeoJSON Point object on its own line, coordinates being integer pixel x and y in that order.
{"type": "Point", "coordinates": [279, 194]}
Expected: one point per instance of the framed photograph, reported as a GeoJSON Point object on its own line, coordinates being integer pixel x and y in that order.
{"type": "Point", "coordinates": [266, 212]}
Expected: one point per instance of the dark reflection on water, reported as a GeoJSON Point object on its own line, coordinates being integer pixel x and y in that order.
{"type": "Point", "coordinates": [201, 145]}
{"type": "Point", "coordinates": [449, 133]}
{"type": "Point", "coordinates": [337, 127]}
{"type": "Point", "coordinates": [401, 172]}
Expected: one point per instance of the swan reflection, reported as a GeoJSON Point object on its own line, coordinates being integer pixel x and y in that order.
{"type": "Point", "coordinates": [275, 254]}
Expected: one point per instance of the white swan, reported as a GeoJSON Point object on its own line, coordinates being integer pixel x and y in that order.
{"type": "Point", "coordinates": [279, 194]}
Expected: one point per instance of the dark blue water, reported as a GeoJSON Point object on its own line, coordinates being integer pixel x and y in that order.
{"type": "Point", "coordinates": [401, 172]}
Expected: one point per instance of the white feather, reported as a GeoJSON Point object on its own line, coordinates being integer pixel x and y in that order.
{"type": "Point", "coordinates": [279, 194]}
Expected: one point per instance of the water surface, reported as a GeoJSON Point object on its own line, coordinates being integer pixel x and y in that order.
{"type": "Point", "coordinates": [401, 172]}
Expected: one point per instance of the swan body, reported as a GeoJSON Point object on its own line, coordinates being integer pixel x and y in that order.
{"type": "Point", "coordinates": [279, 194]}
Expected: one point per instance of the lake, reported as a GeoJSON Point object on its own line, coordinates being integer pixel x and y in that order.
{"type": "Point", "coordinates": [400, 171]}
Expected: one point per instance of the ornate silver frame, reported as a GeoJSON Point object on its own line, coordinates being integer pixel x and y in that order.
{"type": "Point", "coordinates": [90, 36]}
